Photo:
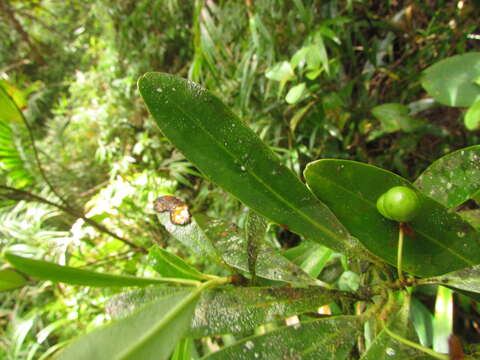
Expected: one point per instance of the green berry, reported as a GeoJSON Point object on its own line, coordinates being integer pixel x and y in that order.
{"type": "Point", "coordinates": [400, 203]}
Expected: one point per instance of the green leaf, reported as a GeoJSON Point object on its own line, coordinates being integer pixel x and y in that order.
{"type": "Point", "coordinates": [384, 347]}
{"type": "Point", "coordinates": [299, 115]}
{"type": "Point", "coordinates": [328, 339]}
{"type": "Point", "coordinates": [9, 111]}
{"type": "Point", "coordinates": [452, 81]}
{"type": "Point", "coordinates": [296, 93]}
{"type": "Point", "coordinates": [171, 266]}
{"type": "Point", "coordinates": [454, 178]}
{"type": "Point", "coordinates": [443, 319]}
{"type": "Point", "coordinates": [184, 350]}
{"type": "Point", "coordinates": [48, 271]}
{"type": "Point", "coordinates": [466, 279]}
{"type": "Point", "coordinates": [255, 230]}
{"type": "Point", "coordinates": [230, 153]}
{"type": "Point", "coordinates": [149, 333]}
{"type": "Point", "coordinates": [394, 117]}
{"type": "Point", "coordinates": [472, 217]}
{"type": "Point", "coordinates": [193, 237]}
{"type": "Point", "coordinates": [233, 310]}
{"type": "Point", "coordinates": [442, 241]}
{"type": "Point", "coordinates": [281, 72]}
{"type": "Point", "coordinates": [11, 279]}
{"type": "Point", "coordinates": [422, 320]}
{"type": "Point", "coordinates": [472, 117]}
{"type": "Point", "coordinates": [229, 240]}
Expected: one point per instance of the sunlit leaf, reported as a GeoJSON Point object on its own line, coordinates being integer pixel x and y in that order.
{"type": "Point", "coordinates": [454, 178]}
{"type": "Point", "coordinates": [441, 241]}
{"type": "Point", "coordinates": [452, 81]}
{"type": "Point", "coordinates": [443, 319]}
{"type": "Point", "coordinates": [328, 339]}
{"type": "Point", "coordinates": [472, 117]}
{"type": "Point", "coordinates": [49, 271]}
{"type": "Point", "coordinates": [170, 265]}
{"type": "Point", "coordinates": [11, 279]}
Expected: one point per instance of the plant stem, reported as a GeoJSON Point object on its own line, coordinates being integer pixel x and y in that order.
{"type": "Point", "coordinates": [400, 254]}
{"type": "Point", "coordinates": [416, 346]}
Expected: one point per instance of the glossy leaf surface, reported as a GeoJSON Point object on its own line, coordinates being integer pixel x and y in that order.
{"type": "Point", "coordinates": [452, 81]}
{"type": "Point", "coordinates": [255, 230]}
{"type": "Point", "coordinates": [230, 154]}
{"type": "Point", "coordinates": [442, 241]}
{"type": "Point", "coordinates": [328, 339]}
{"type": "Point", "coordinates": [11, 279]}
{"type": "Point", "coordinates": [49, 271]}
{"type": "Point", "coordinates": [454, 178]}
{"type": "Point", "coordinates": [150, 333]}
{"type": "Point", "coordinates": [170, 265]}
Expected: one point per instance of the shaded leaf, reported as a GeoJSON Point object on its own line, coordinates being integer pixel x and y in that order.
{"type": "Point", "coordinates": [231, 155]}
{"type": "Point", "coordinates": [452, 81]}
{"type": "Point", "coordinates": [395, 116]}
{"type": "Point", "coordinates": [330, 338]}
{"type": "Point", "coordinates": [443, 319]}
{"type": "Point", "coordinates": [422, 320]}
{"type": "Point", "coordinates": [170, 265]}
{"type": "Point", "coordinates": [442, 241]}
{"type": "Point", "coordinates": [49, 271]}
{"type": "Point", "coordinates": [149, 333]}
{"type": "Point", "coordinates": [454, 178]}
{"type": "Point", "coordinates": [472, 217]}
{"type": "Point", "coordinates": [11, 279]}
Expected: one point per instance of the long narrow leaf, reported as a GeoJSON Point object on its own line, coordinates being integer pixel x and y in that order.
{"type": "Point", "coordinates": [230, 153]}
{"type": "Point", "coordinates": [48, 271]}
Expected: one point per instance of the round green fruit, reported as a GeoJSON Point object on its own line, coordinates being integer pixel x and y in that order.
{"type": "Point", "coordinates": [400, 203]}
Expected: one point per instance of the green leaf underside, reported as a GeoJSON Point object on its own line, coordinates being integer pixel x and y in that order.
{"type": "Point", "coordinates": [49, 271]}
{"type": "Point", "coordinates": [452, 81]}
{"type": "Point", "coordinates": [327, 339]}
{"type": "Point", "coordinates": [230, 241]}
{"type": "Point", "coordinates": [255, 230]}
{"type": "Point", "coordinates": [170, 265]}
{"type": "Point", "coordinates": [466, 279]}
{"type": "Point", "coordinates": [232, 156]}
{"type": "Point", "coordinates": [454, 178]}
{"type": "Point", "coordinates": [229, 244]}
{"type": "Point", "coordinates": [10, 279]}
{"type": "Point", "coordinates": [443, 242]}
{"type": "Point", "coordinates": [150, 333]}
{"type": "Point", "coordinates": [233, 310]}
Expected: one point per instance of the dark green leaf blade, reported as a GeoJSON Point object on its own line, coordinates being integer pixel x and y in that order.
{"type": "Point", "coordinates": [230, 153]}
{"type": "Point", "coordinates": [327, 339]}
{"type": "Point", "coordinates": [255, 230]}
{"type": "Point", "coordinates": [49, 271]}
{"type": "Point", "coordinates": [452, 81]}
{"type": "Point", "coordinates": [170, 265]}
{"type": "Point", "coordinates": [454, 178]}
{"type": "Point", "coordinates": [10, 279]}
{"type": "Point", "coordinates": [150, 333]}
{"type": "Point", "coordinates": [443, 242]}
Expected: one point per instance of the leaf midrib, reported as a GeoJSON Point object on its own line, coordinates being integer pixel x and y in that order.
{"type": "Point", "coordinates": [256, 177]}
{"type": "Point", "coordinates": [432, 239]}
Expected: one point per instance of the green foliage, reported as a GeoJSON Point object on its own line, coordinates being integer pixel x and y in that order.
{"type": "Point", "coordinates": [81, 164]}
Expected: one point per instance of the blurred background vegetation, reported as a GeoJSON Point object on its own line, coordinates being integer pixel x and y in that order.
{"type": "Point", "coordinates": [80, 171]}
